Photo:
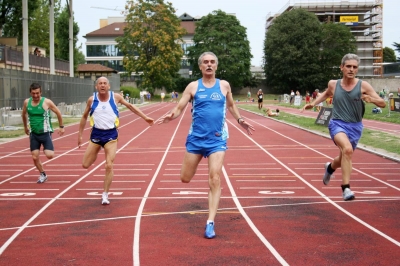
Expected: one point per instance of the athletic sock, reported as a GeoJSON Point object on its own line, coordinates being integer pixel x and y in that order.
{"type": "Point", "coordinates": [210, 221]}
{"type": "Point", "coordinates": [330, 169]}
{"type": "Point", "coordinates": [345, 186]}
{"type": "Point", "coordinates": [43, 173]}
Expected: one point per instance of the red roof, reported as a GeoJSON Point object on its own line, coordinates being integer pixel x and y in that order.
{"type": "Point", "coordinates": [94, 68]}
{"type": "Point", "coordinates": [117, 29]}
{"type": "Point", "coordinates": [113, 30]}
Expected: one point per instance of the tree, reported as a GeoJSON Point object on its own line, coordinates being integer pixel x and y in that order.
{"type": "Point", "coordinates": [397, 48]}
{"type": "Point", "coordinates": [302, 54]}
{"type": "Point", "coordinates": [223, 35]}
{"type": "Point", "coordinates": [62, 36]}
{"type": "Point", "coordinates": [150, 42]}
{"type": "Point", "coordinates": [11, 17]}
{"type": "Point", "coordinates": [337, 40]}
{"type": "Point", "coordinates": [389, 55]}
{"type": "Point", "coordinates": [291, 52]}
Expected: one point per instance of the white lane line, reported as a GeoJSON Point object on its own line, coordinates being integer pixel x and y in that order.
{"type": "Point", "coordinates": [253, 164]}
{"type": "Point", "coordinates": [379, 168]}
{"type": "Point", "coordinates": [250, 222]}
{"type": "Point", "coordinates": [257, 180]}
{"type": "Point", "coordinates": [50, 176]}
{"type": "Point", "coordinates": [116, 181]}
{"type": "Point", "coordinates": [313, 163]}
{"type": "Point", "coordinates": [340, 180]}
{"type": "Point", "coordinates": [23, 189]}
{"type": "Point", "coordinates": [178, 181]}
{"type": "Point", "coordinates": [254, 168]}
{"type": "Point", "coordinates": [127, 175]}
{"type": "Point", "coordinates": [183, 188]}
{"type": "Point", "coordinates": [356, 187]}
{"type": "Point", "coordinates": [34, 182]}
{"type": "Point", "coordinates": [19, 165]}
{"type": "Point", "coordinates": [314, 188]}
{"type": "Point", "coordinates": [261, 174]}
{"type": "Point", "coordinates": [178, 174]}
{"type": "Point", "coordinates": [100, 188]}
{"type": "Point", "coordinates": [273, 188]}
{"type": "Point", "coordinates": [136, 233]}
{"type": "Point", "coordinates": [128, 169]}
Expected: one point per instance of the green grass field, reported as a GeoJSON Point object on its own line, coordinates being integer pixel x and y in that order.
{"type": "Point", "coordinates": [370, 138]}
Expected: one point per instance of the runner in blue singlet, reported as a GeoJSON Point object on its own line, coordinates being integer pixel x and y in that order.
{"type": "Point", "coordinates": [208, 132]}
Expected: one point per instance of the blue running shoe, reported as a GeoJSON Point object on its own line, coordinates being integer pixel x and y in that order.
{"type": "Point", "coordinates": [209, 233]}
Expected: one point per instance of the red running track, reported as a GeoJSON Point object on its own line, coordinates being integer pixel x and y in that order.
{"type": "Point", "coordinates": [274, 208]}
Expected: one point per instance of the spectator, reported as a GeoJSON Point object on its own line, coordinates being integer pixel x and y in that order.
{"type": "Point", "coordinates": [162, 96]}
{"type": "Point", "coordinates": [314, 94]}
{"type": "Point", "coordinates": [307, 97]}
{"type": "Point", "coordinates": [291, 97]}
{"type": "Point", "coordinates": [37, 52]}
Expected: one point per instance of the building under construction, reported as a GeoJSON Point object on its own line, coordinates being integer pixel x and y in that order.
{"type": "Point", "coordinates": [363, 17]}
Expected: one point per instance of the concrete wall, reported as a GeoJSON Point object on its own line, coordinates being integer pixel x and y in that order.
{"type": "Point", "coordinates": [391, 84]}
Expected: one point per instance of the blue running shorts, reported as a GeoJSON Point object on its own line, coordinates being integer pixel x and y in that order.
{"type": "Point", "coordinates": [352, 130]}
{"type": "Point", "coordinates": [102, 137]}
{"type": "Point", "coordinates": [204, 146]}
{"type": "Point", "coordinates": [41, 139]}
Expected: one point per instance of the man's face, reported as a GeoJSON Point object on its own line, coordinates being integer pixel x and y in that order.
{"type": "Point", "coordinates": [102, 85]}
{"type": "Point", "coordinates": [36, 94]}
{"type": "Point", "coordinates": [208, 65]}
{"type": "Point", "coordinates": [350, 68]}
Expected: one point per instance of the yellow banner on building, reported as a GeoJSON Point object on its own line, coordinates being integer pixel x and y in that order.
{"type": "Point", "coordinates": [345, 19]}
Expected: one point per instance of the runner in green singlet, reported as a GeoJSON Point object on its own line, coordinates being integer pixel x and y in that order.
{"type": "Point", "coordinates": [37, 124]}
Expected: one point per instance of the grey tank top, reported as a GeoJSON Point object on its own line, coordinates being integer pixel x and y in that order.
{"type": "Point", "coordinates": [348, 105]}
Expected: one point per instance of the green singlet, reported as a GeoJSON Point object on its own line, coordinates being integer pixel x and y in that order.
{"type": "Point", "coordinates": [39, 119]}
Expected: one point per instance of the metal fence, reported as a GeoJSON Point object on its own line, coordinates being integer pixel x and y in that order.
{"type": "Point", "coordinates": [14, 88]}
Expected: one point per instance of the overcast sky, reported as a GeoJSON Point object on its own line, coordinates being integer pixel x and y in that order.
{"type": "Point", "coordinates": [251, 14]}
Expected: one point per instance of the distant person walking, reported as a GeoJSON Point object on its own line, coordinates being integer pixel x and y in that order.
{"type": "Point", "coordinates": [346, 126]}
{"type": "Point", "coordinates": [36, 111]}
{"type": "Point", "coordinates": [260, 96]}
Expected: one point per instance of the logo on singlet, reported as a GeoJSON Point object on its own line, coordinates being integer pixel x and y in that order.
{"type": "Point", "coordinates": [215, 96]}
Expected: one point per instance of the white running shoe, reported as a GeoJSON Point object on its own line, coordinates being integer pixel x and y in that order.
{"type": "Point", "coordinates": [42, 178]}
{"type": "Point", "coordinates": [104, 199]}
{"type": "Point", "coordinates": [327, 176]}
{"type": "Point", "coordinates": [348, 194]}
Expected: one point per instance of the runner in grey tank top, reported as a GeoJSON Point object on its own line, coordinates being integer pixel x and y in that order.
{"type": "Point", "coordinates": [346, 127]}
